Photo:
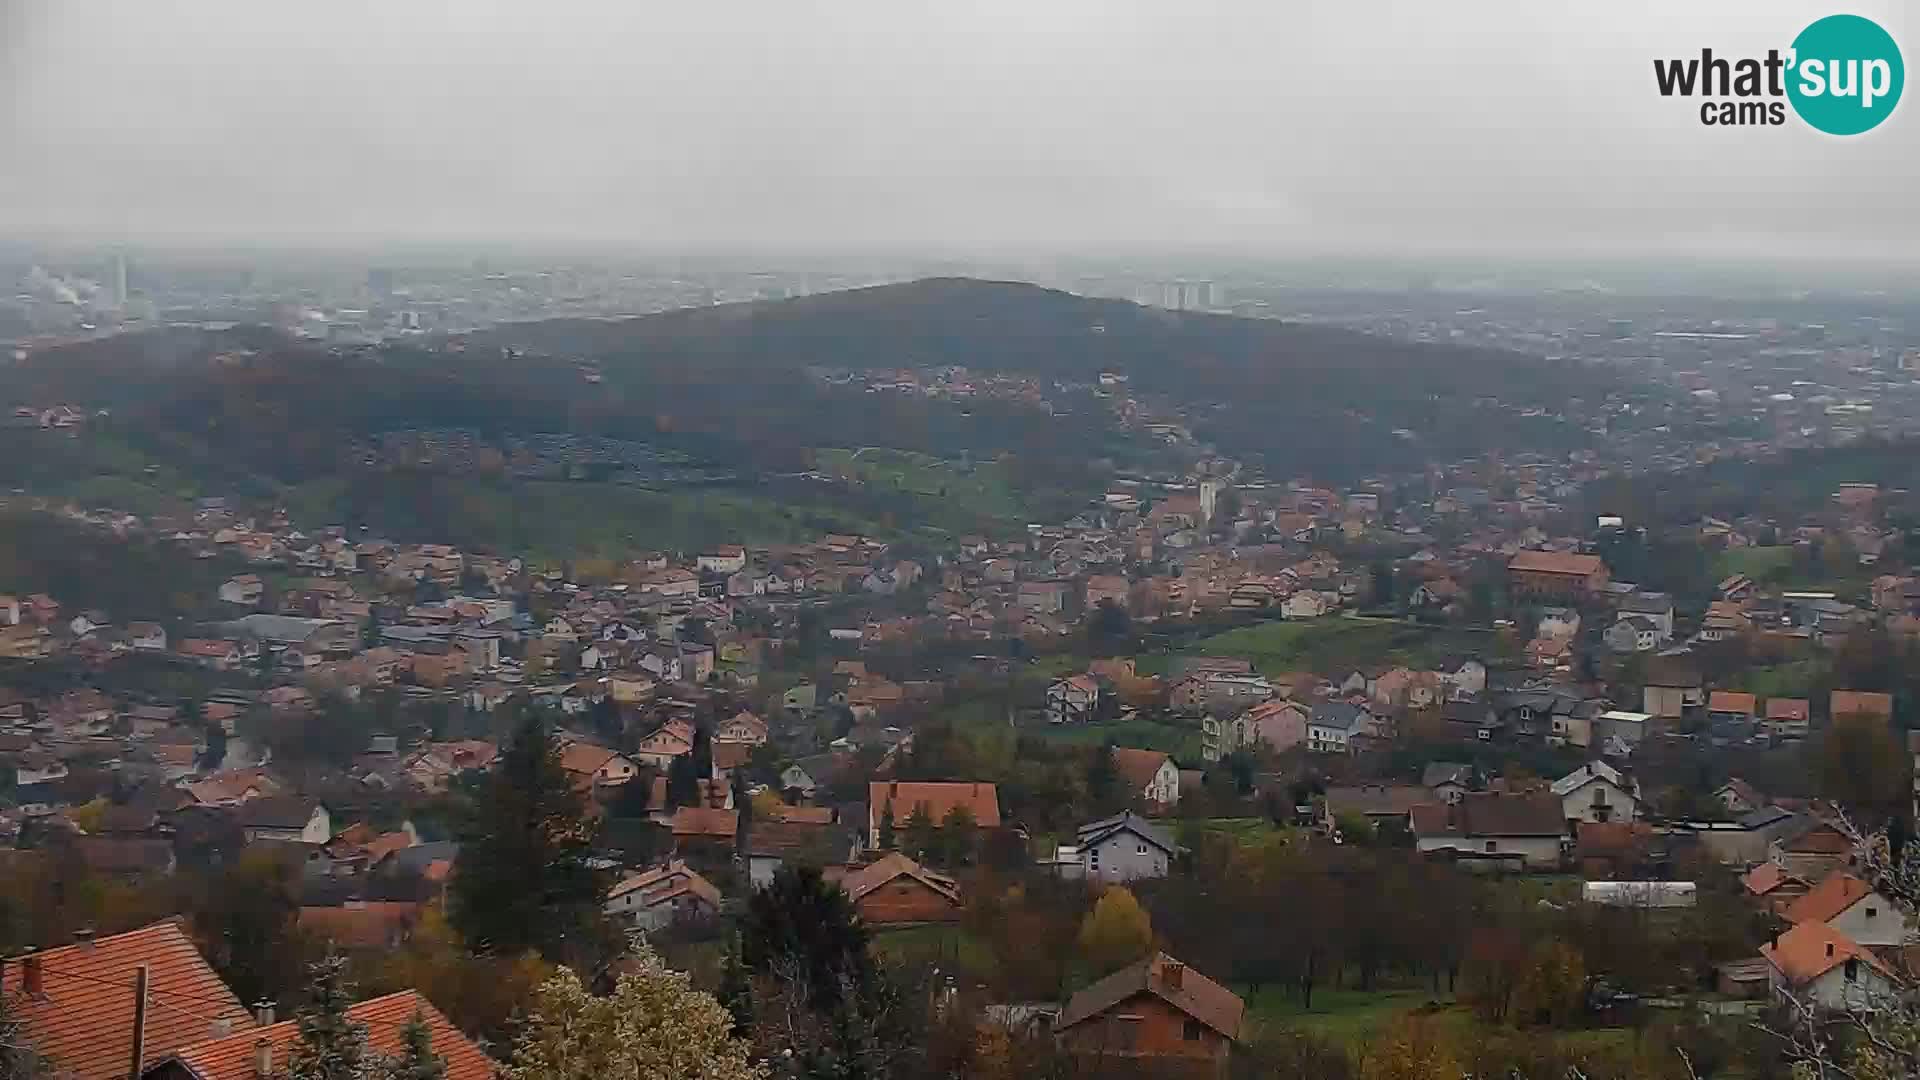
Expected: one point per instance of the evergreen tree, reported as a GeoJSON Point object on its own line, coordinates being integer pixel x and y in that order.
{"type": "Point", "coordinates": [370, 633]}
{"type": "Point", "coordinates": [523, 879]}
{"type": "Point", "coordinates": [683, 783]}
{"type": "Point", "coordinates": [920, 835]}
{"type": "Point", "coordinates": [957, 836]}
{"type": "Point", "coordinates": [1103, 777]}
{"type": "Point", "coordinates": [416, 1061]}
{"type": "Point", "coordinates": [702, 753]}
{"type": "Point", "coordinates": [801, 919]}
{"type": "Point", "coordinates": [331, 1045]}
{"type": "Point", "coordinates": [887, 837]}
{"type": "Point", "coordinates": [736, 985]}
{"type": "Point", "coordinates": [742, 819]}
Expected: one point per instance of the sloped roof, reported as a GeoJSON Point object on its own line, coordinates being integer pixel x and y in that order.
{"type": "Point", "coordinates": [1828, 899]}
{"type": "Point", "coordinates": [1590, 772]}
{"type": "Point", "coordinates": [1167, 979]}
{"type": "Point", "coordinates": [1137, 767]}
{"type": "Point", "coordinates": [939, 797]}
{"type": "Point", "coordinates": [1489, 813]}
{"type": "Point", "coordinates": [231, 1058]}
{"type": "Point", "coordinates": [1554, 562]}
{"type": "Point", "coordinates": [83, 1019]}
{"type": "Point", "coordinates": [1375, 798]}
{"type": "Point", "coordinates": [1767, 877]}
{"type": "Point", "coordinates": [1812, 949]}
{"type": "Point", "coordinates": [371, 925]}
{"type": "Point", "coordinates": [704, 821]}
{"type": "Point", "coordinates": [1859, 703]}
{"type": "Point", "coordinates": [864, 880]}
{"type": "Point", "coordinates": [1095, 832]}
{"type": "Point", "coordinates": [1732, 701]}
{"type": "Point", "coordinates": [1781, 708]}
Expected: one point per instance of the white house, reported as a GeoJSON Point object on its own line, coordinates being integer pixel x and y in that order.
{"type": "Point", "coordinates": [662, 895]}
{"type": "Point", "coordinates": [725, 559]}
{"type": "Point", "coordinates": [673, 738]}
{"type": "Point", "coordinates": [285, 817]}
{"type": "Point", "coordinates": [1148, 775]}
{"type": "Point", "coordinates": [1072, 700]}
{"type": "Point", "coordinates": [1632, 633]}
{"type": "Point", "coordinates": [1816, 963]}
{"type": "Point", "coordinates": [1855, 909]}
{"type": "Point", "coordinates": [1305, 604]}
{"type": "Point", "coordinates": [1597, 791]}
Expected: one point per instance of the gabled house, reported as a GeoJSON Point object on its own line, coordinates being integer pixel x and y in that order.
{"type": "Point", "coordinates": [1073, 699]}
{"type": "Point", "coordinates": [1281, 724]}
{"type": "Point", "coordinates": [86, 1031]}
{"type": "Point", "coordinates": [1447, 781]}
{"type": "Point", "coordinates": [1334, 726]}
{"type": "Point", "coordinates": [1597, 792]}
{"type": "Point", "coordinates": [1157, 1012]}
{"type": "Point", "coordinates": [1770, 884]}
{"type": "Point", "coordinates": [285, 817]}
{"type": "Point", "coordinates": [662, 895]}
{"type": "Point", "coordinates": [743, 728]}
{"type": "Point", "coordinates": [1810, 849]}
{"type": "Point", "coordinates": [1855, 909]}
{"type": "Point", "coordinates": [1122, 848]}
{"type": "Point", "coordinates": [591, 767]}
{"type": "Point", "coordinates": [896, 891]}
{"type": "Point", "coordinates": [1147, 775]}
{"type": "Point", "coordinates": [1524, 831]}
{"type": "Point", "coordinates": [1816, 963]}
{"type": "Point", "coordinates": [669, 741]}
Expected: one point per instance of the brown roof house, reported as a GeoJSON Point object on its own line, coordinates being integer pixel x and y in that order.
{"type": "Point", "coordinates": [76, 1001]}
{"type": "Point", "coordinates": [255, 1052]}
{"type": "Point", "coordinates": [1523, 831]}
{"type": "Point", "coordinates": [1158, 1012]}
{"type": "Point", "coordinates": [1556, 574]}
{"type": "Point", "coordinates": [896, 891]}
{"type": "Point", "coordinates": [1147, 775]}
{"type": "Point", "coordinates": [938, 798]}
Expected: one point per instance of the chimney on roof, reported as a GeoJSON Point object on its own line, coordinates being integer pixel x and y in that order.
{"type": "Point", "coordinates": [1171, 973]}
{"type": "Point", "coordinates": [30, 981]}
{"type": "Point", "coordinates": [83, 937]}
{"type": "Point", "coordinates": [263, 1057]}
{"type": "Point", "coordinates": [220, 1027]}
{"type": "Point", "coordinates": [263, 1013]}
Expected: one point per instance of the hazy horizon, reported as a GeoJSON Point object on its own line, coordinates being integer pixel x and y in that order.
{"type": "Point", "coordinates": [1353, 130]}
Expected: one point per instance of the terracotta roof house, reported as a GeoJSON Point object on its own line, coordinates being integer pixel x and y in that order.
{"type": "Point", "coordinates": [938, 797]}
{"type": "Point", "coordinates": [1772, 884]}
{"type": "Point", "coordinates": [1859, 703]}
{"type": "Point", "coordinates": [240, 1056]}
{"type": "Point", "coordinates": [896, 891]}
{"type": "Point", "coordinates": [661, 895]}
{"type": "Point", "coordinates": [380, 924]}
{"type": "Point", "coordinates": [77, 1001]}
{"type": "Point", "coordinates": [1556, 574]}
{"type": "Point", "coordinates": [1149, 775]}
{"type": "Point", "coordinates": [1854, 908]}
{"type": "Point", "coordinates": [1815, 962]}
{"type": "Point", "coordinates": [1156, 1011]}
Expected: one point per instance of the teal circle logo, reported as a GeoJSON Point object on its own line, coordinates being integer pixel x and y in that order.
{"type": "Point", "coordinates": [1846, 75]}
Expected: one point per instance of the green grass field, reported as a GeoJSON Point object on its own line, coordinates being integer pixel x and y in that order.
{"type": "Point", "coordinates": [946, 496]}
{"type": "Point", "coordinates": [1758, 563]}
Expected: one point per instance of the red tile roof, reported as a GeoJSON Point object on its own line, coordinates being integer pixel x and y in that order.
{"type": "Point", "coordinates": [939, 797]}
{"type": "Point", "coordinates": [83, 1017]}
{"type": "Point", "coordinates": [1732, 701]}
{"type": "Point", "coordinates": [864, 880]}
{"type": "Point", "coordinates": [1859, 703]}
{"type": "Point", "coordinates": [1828, 899]}
{"type": "Point", "coordinates": [1555, 562]}
{"type": "Point", "coordinates": [232, 1058]}
{"type": "Point", "coordinates": [1812, 949]}
{"type": "Point", "coordinates": [1168, 979]}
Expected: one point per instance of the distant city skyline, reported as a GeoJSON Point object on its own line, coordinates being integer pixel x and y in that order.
{"type": "Point", "coordinates": [1072, 126]}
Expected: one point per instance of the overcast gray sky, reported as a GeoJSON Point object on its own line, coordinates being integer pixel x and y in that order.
{"type": "Point", "coordinates": [1265, 126]}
